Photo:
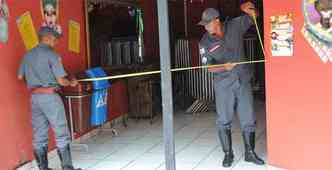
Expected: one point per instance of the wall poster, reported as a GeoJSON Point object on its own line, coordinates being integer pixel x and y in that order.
{"type": "Point", "coordinates": [282, 35]}
{"type": "Point", "coordinates": [317, 28]}
{"type": "Point", "coordinates": [27, 30]}
{"type": "Point", "coordinates": [50, 14]}
{"type": "Point", "coordinates": [74, 36]}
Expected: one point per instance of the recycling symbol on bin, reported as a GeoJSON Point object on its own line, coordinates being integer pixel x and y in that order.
{"type": "Point", "coordinates": [102, 99]}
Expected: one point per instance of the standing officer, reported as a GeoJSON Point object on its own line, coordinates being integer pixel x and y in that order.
{"type": "Point", "coordinates": [43, 72]}
{"type": "Point", "coordinates": [223, 44]}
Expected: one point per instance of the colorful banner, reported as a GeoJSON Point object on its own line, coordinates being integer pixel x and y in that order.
{"type": "Point", "coordinates": [74, 36]}
{"type": "Point", "coordinates": [4, 16]}
{"type": "Point", "coordinates": [27, 30]}
{"type": "Point", "coordinates": [317, 28]}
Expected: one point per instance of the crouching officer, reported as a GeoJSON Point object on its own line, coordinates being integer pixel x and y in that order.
{"type": "Point", "coordinates": [43, 72]}
{"type": "Point", "coordinates": [223, 44]}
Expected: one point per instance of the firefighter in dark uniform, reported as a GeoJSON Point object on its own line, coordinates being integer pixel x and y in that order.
{"type": "Point", "coordinates": [43, 72]}
{"type": "Point", "coordinates": [223, 44]}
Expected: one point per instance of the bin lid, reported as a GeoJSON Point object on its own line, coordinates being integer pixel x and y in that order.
{"type": "Point", "coordinates": [95, 73]}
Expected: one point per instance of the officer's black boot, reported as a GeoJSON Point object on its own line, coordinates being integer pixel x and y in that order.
{"type": "Point", "coordinates": [249, 143]}
{"type": "Point", "coordinates": [65, 158]}
{"type": "Point", "coordinates": [225, 137]}
{"type": "Point", "coordinates": [41, 158]}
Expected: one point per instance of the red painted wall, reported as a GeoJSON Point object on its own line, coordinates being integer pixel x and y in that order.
{"type": "Point", "coordinates": [298, 100]}
{"type": "Point", "coordinates": [15, 127]}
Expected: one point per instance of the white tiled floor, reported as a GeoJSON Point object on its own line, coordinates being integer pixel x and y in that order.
{"type": "Point", "coordinates": [140, 146]}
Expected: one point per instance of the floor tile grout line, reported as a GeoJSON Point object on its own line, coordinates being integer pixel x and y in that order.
{"type": "Point", "coordinates": [207, 156]}
{"type": "Point", "coordinates": [155, 145]}
{"type": "Point", "coordinates": [186, 125]}
{"type": "Point", "coordinates": [127, 164]}
{"type": "Point", "coordinates": [237, 161]}
{"type": "Point", "coordinates": [160, 165]}
{"type": "Point", "coordinates": [162, 141]}
{"type": "Point", "coordinates": [190, 142]}
{"type": "Point", "coordinates": [95, 164]}
{"type": "Point", "coordinates": [197, 137]}
{"type": "Point", "coordinates": [140, 155]}
{"type": "Point", "coordinates": [185, 146]}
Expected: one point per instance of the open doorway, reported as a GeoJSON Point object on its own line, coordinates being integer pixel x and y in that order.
{"type": "Point", "coordinates": [194, 91]}
{"type": "Point", "coordinates": [114, 46]}
{"type": "Point", "coordinates": [113, 34]}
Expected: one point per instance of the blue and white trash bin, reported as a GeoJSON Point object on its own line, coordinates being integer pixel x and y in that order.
{"type": "Point", "coordinates": [99, 97]}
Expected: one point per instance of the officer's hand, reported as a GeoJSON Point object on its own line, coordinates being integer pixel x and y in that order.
{"type": "Point", "coordinates": [249, 8]}
{"type": "Point", "coordinates": [229, 66]}
{"type": "Point", "coordinates": [73, 83]}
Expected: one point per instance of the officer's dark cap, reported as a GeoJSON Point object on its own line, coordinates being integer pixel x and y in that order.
{"type": "Point", "coordinates": [208, 15]}
{"type": "Point", "coordinates": [44, 31]}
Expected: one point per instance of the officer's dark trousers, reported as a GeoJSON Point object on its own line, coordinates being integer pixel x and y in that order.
{"type": "Point", "coordinates": [48, 110]}
{"type": "Point", "coordinates": [234, 97]}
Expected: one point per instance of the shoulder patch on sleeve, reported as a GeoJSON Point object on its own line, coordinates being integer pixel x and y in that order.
{"type": "Point", "coordinates": [204, 60]}
{"type": "Point", "coordinates": [202, 51]}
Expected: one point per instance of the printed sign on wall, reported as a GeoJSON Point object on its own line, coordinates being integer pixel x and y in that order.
{"type": "Point", "coordinates": [74, 37]}
{"type": "Point", "coordinates": [282, 35]}
{"type": "Point", "coordinates": [27, 31]}
{"type": "Point", "coordinates": [318, 27]}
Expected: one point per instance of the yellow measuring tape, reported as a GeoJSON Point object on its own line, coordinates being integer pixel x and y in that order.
{"type": "Point", "coordinates": [182, 69]}
{"type": "Point", "coordinates": [259, 35]}
{"type": "Point", "coordinates": [172, 70]}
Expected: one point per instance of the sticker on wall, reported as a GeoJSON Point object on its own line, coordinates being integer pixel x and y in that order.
{"type": "Point", "coordinates": [282, 35]}
{"type": "Point", "coordinates": [74, 36]}
{"type": "Point", "coordinates": [50, 14]}
{"type": "Point", "coordinates": [27, 30]}
{"type": "Point", "coordinates": [317, 27]}
{"type": "Point", "coordinates": [4, 15]}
